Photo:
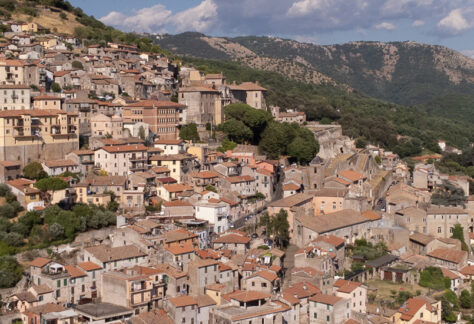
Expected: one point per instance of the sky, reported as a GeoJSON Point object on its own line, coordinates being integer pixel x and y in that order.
{"type": "Point", "coordinates": [443, 22]}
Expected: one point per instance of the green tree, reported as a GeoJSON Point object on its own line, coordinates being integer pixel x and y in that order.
{"type": "Point", "coordinates": [77, 65]}
{"type": "Point", "coordinates": [20, 228]}
{"type": "Point", "coordinates": [189, 132]}
{"type": "Point", "coordinates": [7, 211]}
{"type": "Point", "coordinates": [13, 239]}
{"type": "Point", "coordinates": [378, 160]}
{"type": "Point", "coordinates": [34, 171]}
{"type": "Point", "coordinates": [237, 131]}
{"type": "Point", "coordinates": [55, 231]}
{"type": "Point", "coordinates": [3, 190]}
{"type": "Point", "coordinates": [458, 233]}
{"type": "Point", "coordinates": [226, 145]}
{"type": "Point", "coordinates": [279, 227]}
{"type": "Point", "coordinates": [447, 311]}
{"type": "Point", "coordinates": [302, 150]}
{"type": "Point", "coordinates": [55, 87]}
{"type": "Point", "coordinates": [361, 143]}
{"type": "Point", "coordinates": [210, 187]}
{"type": "Point", "coordinates": [51, 184]}
{"type": "Point", "coordinates": [451, 297]}
{"type": "Point", "coordinates": [10, 271]}
{"type": "Point", "coordinates": [448, 194]}
{"type": "Point", "coordinates": [63, 16]}
{"type": "Point", "coordinates": [465, 299]}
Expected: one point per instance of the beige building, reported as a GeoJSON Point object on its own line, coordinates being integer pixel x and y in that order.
{"type": "Point", "coordinates": [138, 288]}
{"type": "Point", "coordinates": [250, 93]}
{"type": "Point", "coordinates": [121, 159]}
{"type": "Point", "coordinates": [328, 309]}
{"type": "Point", "coordinates": [46, 102]}
{"type": "Point", "coordinates": [354, 292]}
{"type": "Point", "coordinates": [203, 105]}
{"type": "Point", "coordinates": [328, 200]}
{"type": "Point", "coordinates": [290, 204]}
{"type": "Point", "coordinates": [15, 97]}
{"type": "Point", "coordinates": [102, 125]}
{"type": "Point", "coordinates": [202, 272]}
{"type": "Point", "coordinates": [30, 135]}
{"type": "Point", "coordinates": [419, 310]}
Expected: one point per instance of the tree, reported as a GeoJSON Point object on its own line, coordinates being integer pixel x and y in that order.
{"type": "Point", "coordinates": [465, 299]}
{"type": "Point", "coordinates": [458, 233]}
{"type": "Point", "coordinates": [447, 194]}
{"type": "Point", "coordinates": [361, 142]}
{"type": "Point", "coordinates": [77, 65]}
{"type": "Point", "coordinates": [55, 231]}
{"type": "Point", "coordinates": [10, 272]}
{"type": "Point", "coordinates": [260, 196]}
{"type": "Point", "coordinates": [189, 133]}
{"type": "Point", "coordinates": [141, 133]}
{"type": "Point", "coordinates": [377, 159]}
{"type": "Point", "coordinates": [13, 239]}
{"type": "Point", "coordinates": [20, 228]}
{"type": "Point", "coordinates": [55, 87]}
{"type": "Point", "coordinates": [226, 145]}
{"type": "Point", "coordinates": [447, 311]}
{"type": "Point", "coordinates": [51, 184]}
{"type": "Point", "coordinates": [7, 211]}
{"type": "Point", "coordinates": [63, 16]}
{"type": "Point", "coordinates": [3, 190]}
{"type": "Point", "coordinates": [34, 171]}
{"type": "Point", "coordinates": [302, 151]}
{"type": "Point", "coordinates": [210, 187]}
{"type": "Point", "coordinates": [237, 131]}
{"type": "Point", "coordinates": [278, 226]}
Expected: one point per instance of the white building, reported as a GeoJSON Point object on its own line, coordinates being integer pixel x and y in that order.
{"type": "Point", "coordinates": [215, 213]}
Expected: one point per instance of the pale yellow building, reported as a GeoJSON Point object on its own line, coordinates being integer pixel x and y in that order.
{"type": "Point", "coordinates": [15, 97]}
{"type": "Point", "coordinates": [31, 135]}
{"type": "Point", "coordinates": [46, 102]}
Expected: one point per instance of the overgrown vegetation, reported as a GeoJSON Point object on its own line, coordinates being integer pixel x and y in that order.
{"type": "Point", "coordinates": [189, 132]}
{"type": "Point", "coordinates": [277, 226]}
{"type": "Point", "coordinates": [447, 194]}
{"type": "Point", "coordinates": [432, 277]}
{"type": "Point", "coordinates": [368, 250]}
{"type": "Point", "coordinates": [245, 124]}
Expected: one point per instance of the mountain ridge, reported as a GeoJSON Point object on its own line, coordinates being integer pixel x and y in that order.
{"type": "Point", "coordinates": [408, 73]}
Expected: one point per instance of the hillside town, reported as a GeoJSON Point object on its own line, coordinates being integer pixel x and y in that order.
{"type": "Point", "coordinates": [111, 212]}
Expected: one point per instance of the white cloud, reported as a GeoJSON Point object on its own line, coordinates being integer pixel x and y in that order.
{"type": "Point", "coordinates": [113, 18]}
{"type": "Point", "coordinates": [418, 23]}
{"type": "Point", "coordinates": [468, 53]}
{"type": "Point", "coordinates": [385, 25]}
{"type": "Point", "coordinates": [158, 18]}
{"type": "Point", "coordinates": [146, 19]}
{"type": "Point", "coordinates": [304, 7]}
{"type": "Point", "coordinates": [306, 39]}
{"type": "Point", "coordinates": [454, 23]}
{"type": "Point", "coordinates": [199, 18]}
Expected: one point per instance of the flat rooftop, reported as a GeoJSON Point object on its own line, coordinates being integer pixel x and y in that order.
{"type": "Point", "coordinates": [102, 310]}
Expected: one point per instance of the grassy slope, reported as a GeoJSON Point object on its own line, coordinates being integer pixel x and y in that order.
{"type": "Point", "coordinates": [51, 20]}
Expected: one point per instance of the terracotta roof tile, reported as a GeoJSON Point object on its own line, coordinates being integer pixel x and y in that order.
{"type": "Point", "coordinates": [450, 255]}
{"type": "Point", "coordinates": [326, 299]}
{"type": "Point", "coordinates": [89, 266]}
{"type": "Point", "coordinates": [40, 262]}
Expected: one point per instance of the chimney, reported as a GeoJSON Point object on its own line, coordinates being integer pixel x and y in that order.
{"type": "Point", "coordinates": [304, 287]}
{"type": "Point", "coordinates": [295, 295]}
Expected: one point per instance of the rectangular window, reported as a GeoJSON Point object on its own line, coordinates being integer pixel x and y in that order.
{"type": "Point", "coordinates": [58, 283]}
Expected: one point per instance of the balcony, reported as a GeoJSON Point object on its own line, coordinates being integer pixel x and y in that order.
{"type": "Point", "coordinates": [137, 158]}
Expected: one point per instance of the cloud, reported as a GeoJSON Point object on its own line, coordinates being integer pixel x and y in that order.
{"type": "Point", "coordinates": [158, 18]}
{"type": "Point", "coordinates": [300, 18]}
{"type": "Point", "coordinates": [305, 39]}
{"type": "Point", "coordinates": [418, 23]}
{"type": "Point", "coordinates": [199, 18]}
{"type": "Point", "coordinates": [385, 25]}
{"type": "Point", "coordinates": [304, 7]}
{"type": "Point", "coordinates": [468, 53]}
{"type": "Point", "coordinates": [454, 23]}
{"type": "Point", "coordinates": [143, 20]}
